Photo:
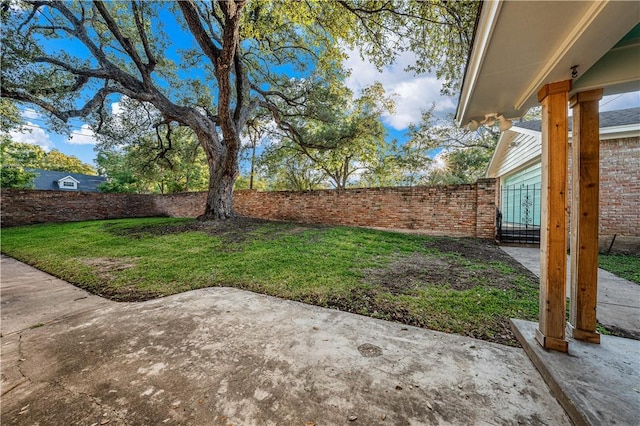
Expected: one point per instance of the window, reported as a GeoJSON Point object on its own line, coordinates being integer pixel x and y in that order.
{"type": "Point", "coordinates": [68, 183]}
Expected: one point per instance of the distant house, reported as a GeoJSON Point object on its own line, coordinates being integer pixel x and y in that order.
{"type": "Point", "coordinates": [64, 181]}
{"type": "Point", "coordinates": [516, 164]}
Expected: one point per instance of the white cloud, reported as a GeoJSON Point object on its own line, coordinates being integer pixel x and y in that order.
{"type": "Point", "coordinates": [30, 113]}
{"type": "Point", "coordinates": [116, 108]}
{"type": "Point", "coordinates": [34, 135]}
{"type": "Point", "coordinates": [412, 93]}
{"type": "Point", "coordinates": [84, 136]}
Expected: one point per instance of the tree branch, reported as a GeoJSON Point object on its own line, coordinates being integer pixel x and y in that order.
{"type": "Point", "coordinates": [151, 59]}
{"type": "Point", "coordinates": [191, 15]}
{"type": "Point", "coordinates": [97, 99]}
{"type": "Point", "coordinates": [124, 42]}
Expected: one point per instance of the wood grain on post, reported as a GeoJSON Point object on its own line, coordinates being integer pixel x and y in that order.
{"type": "Point", "coordinates": [554, 98]}
{"type": "Point", "coordinates": [585, 184]}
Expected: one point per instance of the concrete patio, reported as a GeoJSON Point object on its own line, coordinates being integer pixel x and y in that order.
{"type": "Point", "coordinates": [618, 305]}
{"type": "Point", "coordinates": [225, 356]}
{"type": "Point", "coordinates": [596, 384]}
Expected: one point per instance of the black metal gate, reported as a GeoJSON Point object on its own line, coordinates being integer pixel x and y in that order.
{"type": "Point", "coordinates": [518, 221]}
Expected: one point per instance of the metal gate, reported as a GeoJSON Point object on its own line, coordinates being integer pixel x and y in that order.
{"type": "Point", "coordinates": [518, 221]}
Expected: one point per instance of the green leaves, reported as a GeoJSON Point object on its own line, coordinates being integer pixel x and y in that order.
{"type": "Point", "coordinates": [24, 155]}
{"type": "Point", "coordinates": [330, 137]}
{"type": "Point", "coordinates": [146, 167]}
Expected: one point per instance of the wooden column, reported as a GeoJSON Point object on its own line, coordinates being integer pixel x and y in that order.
{"type": "Point", "coordinates": [585, 184]}
{"type": "Point", "coordinates": [554, 98]}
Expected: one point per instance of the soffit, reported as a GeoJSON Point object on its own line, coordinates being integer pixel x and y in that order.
{"type": "Point", "coordinates": [521, 45]}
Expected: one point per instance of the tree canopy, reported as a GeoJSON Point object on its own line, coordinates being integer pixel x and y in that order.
{"type": "Point", "coordinates": [16, 158]}
{"type": "Point", "coordinates": [463, 155]}
{"type": "Point", "coordinates": [210, 66]}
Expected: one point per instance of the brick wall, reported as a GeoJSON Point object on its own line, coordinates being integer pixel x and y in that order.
{"type": "Point", "coordinates": [455, 210]}
{"type": "Point", "coordinates": [620, 194]}
{"type": "Point", "coordinates": [24, 207]}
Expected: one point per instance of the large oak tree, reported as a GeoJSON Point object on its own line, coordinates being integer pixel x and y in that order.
{"type": "Point", "coordinates": [73, 58]}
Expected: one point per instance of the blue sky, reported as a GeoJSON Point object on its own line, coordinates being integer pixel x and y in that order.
{"type": "Point", "coordinates": [412, 93]}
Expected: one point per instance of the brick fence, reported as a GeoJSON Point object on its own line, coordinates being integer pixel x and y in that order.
{"type": "Point", "coordinates": [455, 210]}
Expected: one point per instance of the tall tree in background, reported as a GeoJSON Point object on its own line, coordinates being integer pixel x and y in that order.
{"type": "Point", "coordinates": [119, 49]}
{"type": "Point", "coordinates": [12, 173]}
{"type": "Point", "coordinates": [351, 127]}
{"type": "Point", "coordinates": [462, 155]}
{"type": "Point", "coordinates": [17, 157]}
{"type": "Point", "coordinates": [140, 167]}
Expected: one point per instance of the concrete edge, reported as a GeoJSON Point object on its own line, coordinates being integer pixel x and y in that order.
{"type": "Point", "coordinates": [557, 391]}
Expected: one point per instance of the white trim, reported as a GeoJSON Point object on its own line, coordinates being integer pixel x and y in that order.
{"type": "Point", "coordinates": [74, 183]}
{"type": "Point", "coordinates": [576, 33]}
{"type": "Point", "coordinates": [524, 131]}
{"type": "Point", "coordinates": [69, 177]}
{"type": "Point", "coordinates": [619, 132]}
{"type": "Point", "coordinates": [501, 148]}
{"type": "Point", "coordinates": [488, 19]}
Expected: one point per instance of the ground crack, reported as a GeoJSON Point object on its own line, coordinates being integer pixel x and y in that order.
{"type": "Point", "coordinates": [18, 366]}
{"type": "Point", "coordinates": [104, 409]}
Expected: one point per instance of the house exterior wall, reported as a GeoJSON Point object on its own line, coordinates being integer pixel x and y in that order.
{"type": "Point", "coordinates": [619, 193]}
{"type": "Point", "coordinates": [523, 149]}
{"type": "Point", "coordinates": [454, 210]}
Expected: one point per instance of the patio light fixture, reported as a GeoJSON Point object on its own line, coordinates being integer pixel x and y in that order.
{"type": "Point", "coordinates": [490, 120]}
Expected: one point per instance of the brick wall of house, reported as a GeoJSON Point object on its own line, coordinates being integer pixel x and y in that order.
{"type": "Point", "coordinates": [455, 210]}
{"type": "Point", "coordinates": [620, 194]}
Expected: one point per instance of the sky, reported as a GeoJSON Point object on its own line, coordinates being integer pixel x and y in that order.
{"type": "Point", "coordinates": [412, 93]}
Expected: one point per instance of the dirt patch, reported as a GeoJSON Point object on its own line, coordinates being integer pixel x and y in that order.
{"type": "Point", "coordinates": [408, 274]}
{"type": "Point", "coordinates": [468, 248]}
{"type": "Point", "coordinates": [235, 230]}
{"type": "Point", "coordinates": [105, 267]}
{"type": "Point", "coordinates": [476, 250]}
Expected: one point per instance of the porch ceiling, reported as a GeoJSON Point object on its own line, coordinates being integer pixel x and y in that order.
{"type": "Point", "coordinates": [520, 46]}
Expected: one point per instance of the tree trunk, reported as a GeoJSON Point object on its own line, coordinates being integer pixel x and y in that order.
{"type": "Point", "coordinates": [223, 171]}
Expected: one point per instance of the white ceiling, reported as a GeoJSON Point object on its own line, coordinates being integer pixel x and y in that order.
{"type": "Point", "coordinates": [520, 46]}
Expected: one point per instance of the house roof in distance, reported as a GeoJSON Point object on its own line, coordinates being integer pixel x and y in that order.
{"type": "Point", "coordinates": [48, 180]}
{"type": "Point", "coordinates": [521, 145]}
{"type": "Point", "coordinates": [621, 117]}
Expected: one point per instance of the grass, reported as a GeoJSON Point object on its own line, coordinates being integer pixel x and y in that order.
{"type": "Point", "coordinates": [625, 266]}
{"type": "Point", "coordinates": [467, 287]}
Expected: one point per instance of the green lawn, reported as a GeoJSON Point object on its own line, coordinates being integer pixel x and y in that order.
{"type": "Point", "coordinates": [463, 286]}
{"type": "Point", "coordinates": [627, 267]}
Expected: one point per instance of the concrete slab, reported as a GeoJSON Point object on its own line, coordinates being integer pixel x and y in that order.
{"type": "Point", "coordinates": [618, 305]}
{"type": "Point", "coordinates": [596, 384]}
{"type": "Point", "coordinates": [227, 356]}
{"type": "Point", "coordinates": [47, 297]}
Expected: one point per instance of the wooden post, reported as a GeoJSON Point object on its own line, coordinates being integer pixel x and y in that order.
{"type": "Point", "coordinates": [585, 183]}
{"type": "Point", "coordinates": [554, 98]}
